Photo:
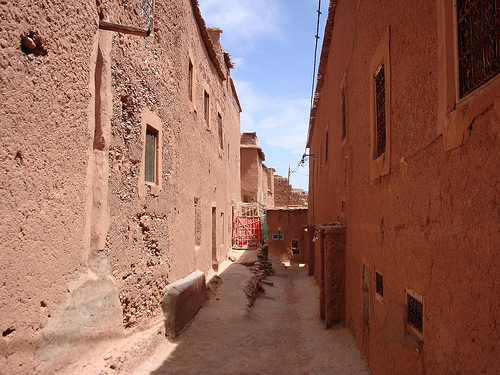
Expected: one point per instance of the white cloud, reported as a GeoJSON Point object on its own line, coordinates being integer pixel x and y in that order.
{"type": "Point", "coordinates": [244, 22]}
{"type": "Point", "coordinates": [280, 121]}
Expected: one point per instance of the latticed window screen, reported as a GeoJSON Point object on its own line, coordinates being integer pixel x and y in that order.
{"type": "Point", "coordinates": [147, 13]}
{"type": "Point", "coordinates": [380, 131]}
{"type": "Point", "coordinates": [478, 26]}
{"type": "Point", "coordinates": [150, 156]}
{"type": "Point", "coordinates": [415, 313]}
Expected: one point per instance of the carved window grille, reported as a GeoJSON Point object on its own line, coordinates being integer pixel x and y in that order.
{"type": "Point", "coordinates": [344, 119]}
{"type": "Point", "coordinates": [147, 13]}
{"type": "Point", "coordinates": [478, 26]}
{"type": "Point", "coordinates": [380, 131]}
{"type": "Point", "coordinates": [379, 284]}
{"type": "Point", "coordinates": [415, 313]}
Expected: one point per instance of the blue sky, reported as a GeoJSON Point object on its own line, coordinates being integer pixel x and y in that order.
{"type": "Point", "coordinates": [271, 43]}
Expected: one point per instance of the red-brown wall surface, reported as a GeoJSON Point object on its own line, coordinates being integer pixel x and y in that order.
{"type": "Point", "coordinates": [87, 245]}
{"type": "Point", "coordinates": [430, 222]}
{"type": "Point", "coordinates": [289, 223]}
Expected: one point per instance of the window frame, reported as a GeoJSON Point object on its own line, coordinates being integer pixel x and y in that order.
{"type": "Point", "coordinates": [456, 114]}
{"type": "Point", "coordinates": [410, 328]}
{"type": "Point", "coordinates": [380, 165]}
{"type": "Point", "coordinates": [152, 122]}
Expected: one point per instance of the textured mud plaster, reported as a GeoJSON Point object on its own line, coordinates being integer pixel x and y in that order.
{"type": "Point", "coordinates": [183, 299]}
{"type": "Point", "coordinates": [92, 308]}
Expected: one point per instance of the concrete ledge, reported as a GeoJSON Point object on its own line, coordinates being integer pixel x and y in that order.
{"type": "Point", "coordinates": [182, 301]}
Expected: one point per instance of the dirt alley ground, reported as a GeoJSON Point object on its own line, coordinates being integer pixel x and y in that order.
{"type": "Point", "coordinates": [280, 334]}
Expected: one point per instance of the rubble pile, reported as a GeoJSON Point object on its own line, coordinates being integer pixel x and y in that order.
{"type": "Point", "coordinates": [262, 268]}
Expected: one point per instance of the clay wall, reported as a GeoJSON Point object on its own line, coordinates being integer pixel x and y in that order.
{"type": "Point", "coordinates": [253, 173]}
{"type": "Point", "coordinates": [290, 224]}
{"type": "Point", "coordinates": [427, 219]}
{"type": "Point", "coordinates": [88, 244]}
{"type": "Point", "coordinates": [286, 195]}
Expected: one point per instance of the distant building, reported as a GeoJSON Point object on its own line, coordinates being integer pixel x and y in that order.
{"type": "Point", "coordinates": [257, 180]}
{"type": "Point", "coordinates": [404, 183]}
{"type": "Point", "coordinates": [120, 144]}
{"type": "Point", "coordinates": [286, 195]}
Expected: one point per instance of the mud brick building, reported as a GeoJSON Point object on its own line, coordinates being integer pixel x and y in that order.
{"type": "Point", "coordinates": [404, 183]}
{"type": "Point", "coordinates": [120, 146]}
{"type": "Point", "coordinates": [257, 180]}
{"type": "Point", "coordinates": [286, 195]}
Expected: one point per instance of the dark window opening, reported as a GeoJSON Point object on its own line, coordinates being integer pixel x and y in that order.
{"type": "Point", "coordinates": [415, 313]}
{"type": "Point", "coordinates": [219, 125]}
{"type": "Point", "coordinates": [478, 26]}
{"type": "Point", "coordinates": [190, 81]}
{"type": "Point", "coordinates": [379, 283]}
{"type": "Point", "coordinates": [151, 155]}
{"type": "Point", "coordinates": [344, 119]}
{"type": "Point", "coordinates": [207, 107]}
{"type": "Point", "coordinates": [380, 130]}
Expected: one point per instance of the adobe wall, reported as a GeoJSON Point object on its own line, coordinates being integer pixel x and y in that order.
{"type": "Point", "coordinates": [291, 223]}
{"type": "Point", "coordinates": [285, 195]}
{"type": "Point", "coordinates": [250, 171]}
{"type": "Point", "coordinates": [88, 246]}
{"type": "Point", "coordinates": [431, 224]}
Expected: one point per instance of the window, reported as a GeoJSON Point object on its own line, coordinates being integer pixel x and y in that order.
{"type": "Point", "coordinates": [151, 155]}
{"type": "Point", "coordinates": [415, 311]}
{"type": "Point", "coordinates": [190, 80]}
{"type": "Point", "coordinates": [468, 65]}
{"type": "Point", "coordinates": [219, 125]}
{"type": "Point", "coordinates": [478, 27]}
{"type": "Point", "coordinates": [197, 222]}
{"type": "Point", "coordinates": [380, 109]}
{"type": "Point", "coordinates": [207, 108]}
{"type": "Point", "coordinates": [150, 170]}
{"type": "Point", "coordinates": [380, 131]}
{"type": "Point", "coordinates": [379, 283]}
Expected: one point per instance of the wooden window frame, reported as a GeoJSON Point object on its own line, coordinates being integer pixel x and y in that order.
{"type": "Point", "coordinates": [150, 121]}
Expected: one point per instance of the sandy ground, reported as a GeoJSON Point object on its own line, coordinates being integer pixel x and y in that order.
{"type": "Point", "coordinates": [280, 334]}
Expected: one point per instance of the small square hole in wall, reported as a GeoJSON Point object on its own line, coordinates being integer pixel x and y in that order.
{"type": "Point", "coordinates": [379, 283]}
{"type": "Point", "coordinates": [415, 311]}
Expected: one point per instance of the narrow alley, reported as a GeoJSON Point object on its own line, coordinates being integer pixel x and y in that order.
{"type": "Point", "coordinates": [281, 333]}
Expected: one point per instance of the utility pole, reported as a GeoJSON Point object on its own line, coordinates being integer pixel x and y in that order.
{"type": "Point", "coordinates": [288, 197]}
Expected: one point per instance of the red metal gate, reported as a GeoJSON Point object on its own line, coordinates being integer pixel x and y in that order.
{"type": "Point", "coordinates": [248, 232]}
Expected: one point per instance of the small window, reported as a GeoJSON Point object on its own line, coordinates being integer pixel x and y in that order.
{"type": "Point", "coordinates": [190, 80]}
{"type": "Point", "coordinates": [379, 283]}
{"type": "Point", "coordinates": [151, 156]}
{"type": "Point", "coordinates": [219, 125]}
{"type": "Point", "coordinates": [415, 311]}
{"type": "Point", "coordinates": [380, 131]}
{"type": "Point", "coordinates": [207, 108]}
{"type": "Point", "coordinates": [478, 43]}
{"type": "Point", "coordinates": [278, 237]}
